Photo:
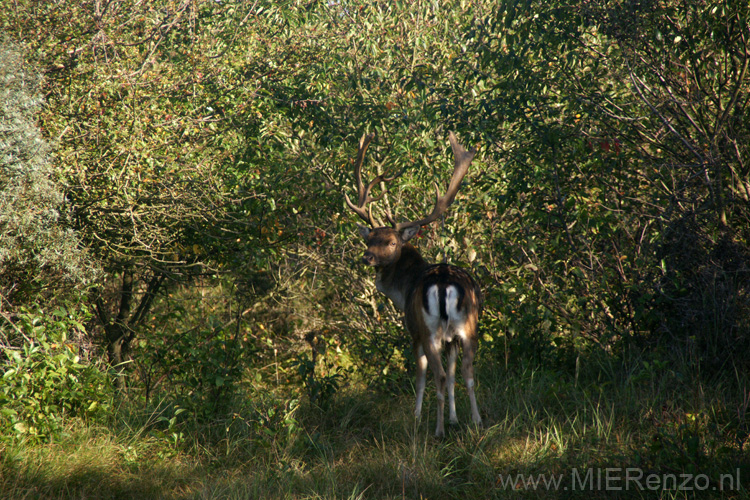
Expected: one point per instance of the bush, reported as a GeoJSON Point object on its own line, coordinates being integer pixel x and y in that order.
{"type": "Point", "coordinates": [38, 254]}
{"type": "Point", "coordinates": [45, 382]}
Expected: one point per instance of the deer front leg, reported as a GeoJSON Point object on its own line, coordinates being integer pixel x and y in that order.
{"type": "Point", "coordinates": [421, 379]}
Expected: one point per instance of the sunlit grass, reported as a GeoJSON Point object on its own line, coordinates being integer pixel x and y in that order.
{"type": "Point", "coordinates": [91, 462]}
{"type": "Point", "coordinates": [366, 444]}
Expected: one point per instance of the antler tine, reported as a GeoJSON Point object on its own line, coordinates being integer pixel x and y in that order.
{"type": "Point", "coordinates": [364, 143]}
{"type": "Point", "coordinates": [363, 192]}
{"type": "Point", "coordinates": [462, 160]}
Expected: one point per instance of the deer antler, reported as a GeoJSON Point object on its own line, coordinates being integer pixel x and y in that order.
{"type": "Point", "coordinates": [363, 191]}
{"type": "Point", "coordinates": [462, 160]}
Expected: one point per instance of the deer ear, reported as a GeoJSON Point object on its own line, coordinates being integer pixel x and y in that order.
{"type": "Point", "coordinates": [364, 231]}
{"type": "Point", "coordinates": [410, 232]}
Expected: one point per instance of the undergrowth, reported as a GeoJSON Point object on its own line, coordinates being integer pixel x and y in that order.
{"type": "Point", "coordinates": [542, 425]}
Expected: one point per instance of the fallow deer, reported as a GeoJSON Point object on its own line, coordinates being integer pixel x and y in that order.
{"type": "Point", "coordinates": [441, 302]}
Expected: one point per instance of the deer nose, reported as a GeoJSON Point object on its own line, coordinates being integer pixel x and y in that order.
{"type": "Point", "coordinates": [368, 259]}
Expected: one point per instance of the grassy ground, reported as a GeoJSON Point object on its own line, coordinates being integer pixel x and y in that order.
{"type": "Point", "coordinates": [649, 433]}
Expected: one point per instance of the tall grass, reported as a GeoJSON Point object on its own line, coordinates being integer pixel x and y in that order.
{"type": "Point", "coordinates": [367, 444]}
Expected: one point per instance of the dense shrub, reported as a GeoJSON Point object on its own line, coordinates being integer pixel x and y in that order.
{"type": "Point", "coordinates": [39, 254]}
{"type": "Point", "coordinates": [46, 381]}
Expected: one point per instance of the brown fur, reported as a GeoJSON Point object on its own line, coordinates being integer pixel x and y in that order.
{"type": "Point", "coordinates": [404, 276]}
{"type": "Point", "coordinates": [441, 302]}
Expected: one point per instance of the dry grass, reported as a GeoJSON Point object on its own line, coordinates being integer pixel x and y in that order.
{"type": "Point", "coordinates": [367, 445]}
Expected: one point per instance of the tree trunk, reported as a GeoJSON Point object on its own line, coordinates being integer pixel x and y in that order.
{"type": "Point", "coordinates": [117, 331]}
{"type": "Point", "coordinates": [120, 331]}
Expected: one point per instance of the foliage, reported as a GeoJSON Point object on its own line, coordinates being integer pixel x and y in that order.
{"type": "Point", "coordinates": [45, 382]}
{"type": "Point", "coordinates": [138, 95]}
{"type": "Point", "coordinates": [604, 117]}
{"type": "Point", "coordinates": [39, 253]}
{"type": "Point", "coordinates": [204, 366]}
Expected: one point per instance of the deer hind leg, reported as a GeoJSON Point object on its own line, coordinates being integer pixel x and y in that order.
{"type": "Point", "coordinates": [467, 370]}
{"type": "Point", "coordinates": [451, 382]}
{"type": "Point", "coordinates": [432, 352]}
{"type": "Point", "coordinates": [421, 378]}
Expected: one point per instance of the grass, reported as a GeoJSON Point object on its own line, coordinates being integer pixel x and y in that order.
{"type": "Point", "coordinates": [540, 425]}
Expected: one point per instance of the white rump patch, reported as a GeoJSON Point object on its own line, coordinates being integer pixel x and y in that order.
{"type": "Point", "coordinates": [432, 307]}
{"type": "Point", "coordinates": [451, 303]}
{"type": "Point", "coordinates": [444, 329]}
{"type": "Point", "coordinates": [432, 314]}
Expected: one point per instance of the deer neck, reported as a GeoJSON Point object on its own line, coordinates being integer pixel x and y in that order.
{"type": "Point", "coordinates": [398, 279]}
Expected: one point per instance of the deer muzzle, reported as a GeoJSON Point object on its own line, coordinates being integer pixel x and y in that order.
{"type": "Point", "coordinates": [368, 258]}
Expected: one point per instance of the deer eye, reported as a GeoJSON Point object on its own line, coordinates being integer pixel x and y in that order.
{"type": "Point", "coordinates": [393, 243]}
